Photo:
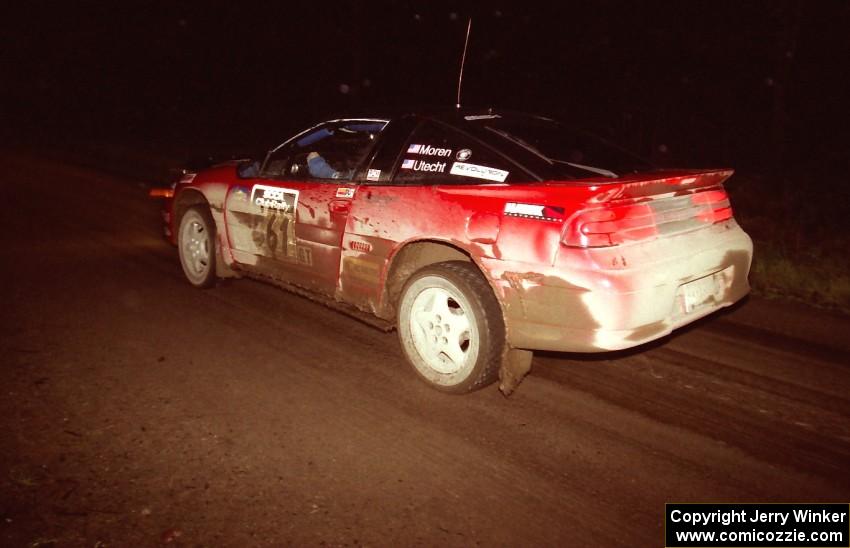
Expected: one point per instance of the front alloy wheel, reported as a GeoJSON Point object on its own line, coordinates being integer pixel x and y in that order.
{"type": "Point", "coordinates": [196, 245]}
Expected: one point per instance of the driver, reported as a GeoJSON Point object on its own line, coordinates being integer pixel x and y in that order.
{"type": "Point", "coordinates": [320, 168]}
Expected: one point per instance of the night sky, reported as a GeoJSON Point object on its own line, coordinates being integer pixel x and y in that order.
{"type": "Point", "coordinates": [756, 85]}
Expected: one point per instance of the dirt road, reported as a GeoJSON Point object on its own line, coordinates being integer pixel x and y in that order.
{"type": "Point", "coordinates": [138, 410]}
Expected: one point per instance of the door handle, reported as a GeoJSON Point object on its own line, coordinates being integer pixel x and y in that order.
{"type": "Point", "coordinates": [339, 206]}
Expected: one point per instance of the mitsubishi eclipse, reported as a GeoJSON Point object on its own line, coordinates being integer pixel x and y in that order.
{"type": "Point", "coordinates": [479, 235]}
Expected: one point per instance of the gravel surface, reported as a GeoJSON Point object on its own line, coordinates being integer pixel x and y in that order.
{"type": "Point", "coordinates": [138, 410]}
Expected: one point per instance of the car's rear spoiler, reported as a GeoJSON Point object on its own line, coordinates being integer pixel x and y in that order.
{"type": "Point", "coordinates": [648, 184]}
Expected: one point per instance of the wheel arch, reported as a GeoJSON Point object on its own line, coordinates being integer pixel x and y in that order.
{"type": "Point", "coordinates": [187, 198]}
{"type": "Point", "coordinates": [191, 197]}
{"type": "Point", "coordinates": [413, 256]}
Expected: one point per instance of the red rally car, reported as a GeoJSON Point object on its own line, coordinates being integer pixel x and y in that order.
{"type": "Point", "coordinates": [480, 235]}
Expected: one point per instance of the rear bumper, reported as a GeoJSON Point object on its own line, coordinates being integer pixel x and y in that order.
{"type": "Point", "coordinates": [594, 300]}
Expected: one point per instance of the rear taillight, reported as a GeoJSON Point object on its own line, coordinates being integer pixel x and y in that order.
{"type": "Point", "coordinates": [610, 225]}
{"type": "Point", "coordinates": [713, 205]}
{"type": "Point", "coordinates": [619, 222]}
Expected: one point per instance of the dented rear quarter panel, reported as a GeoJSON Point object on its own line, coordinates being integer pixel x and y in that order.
{"type": "Point", "coordinates": [471, 218]}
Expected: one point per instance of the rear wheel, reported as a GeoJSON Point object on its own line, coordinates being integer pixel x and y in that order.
{"type": "Point", "coordinates": [196, 245]}
{"type": "Point", "coordinates": [450, 326]}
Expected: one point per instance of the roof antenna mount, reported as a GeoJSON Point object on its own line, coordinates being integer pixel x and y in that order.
{"type": "Point", "coordinates": [463, 61]}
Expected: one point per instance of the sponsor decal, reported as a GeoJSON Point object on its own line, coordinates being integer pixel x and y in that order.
{"type": "Point", "coordinates": [479, 172]}
{"type": "Point", "coordinates": [277, 239]}
{"type": "Point", "coordinates": [271, 198]}
{"type": "Point", "coordinates": [534, 211]}
{"type": "Point", "coordinates": [463, 154]}
{"type": "Point", "coordinates": [529, 210]}
{"type": "Point", "coordinates": [429, 150]}
{"type": "Point", "coordinates": [373, 175]}
{"type": "Point", "coordinates": [421, 165]}
{"type": "Point", "coordinates": [345, 192]}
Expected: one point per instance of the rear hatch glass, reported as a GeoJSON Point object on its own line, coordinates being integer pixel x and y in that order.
{"type": "Point", "coordinates": [556, 150]}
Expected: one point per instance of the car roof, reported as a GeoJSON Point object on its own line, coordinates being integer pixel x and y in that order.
{"type": "Point", "coordinates": [458, 117]}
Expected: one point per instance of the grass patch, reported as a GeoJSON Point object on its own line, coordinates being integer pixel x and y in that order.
{"type": "Point", "coordinates": [823, 283]}
{"type": "Point", "coordinates": [800, 239]}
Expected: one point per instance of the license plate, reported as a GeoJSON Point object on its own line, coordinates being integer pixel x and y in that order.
{"type": "Point", "coordinates": [698, 292]}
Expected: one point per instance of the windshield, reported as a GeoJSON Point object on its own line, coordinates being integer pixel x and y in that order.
{"type": "Point", "coordinates": [569, 153]}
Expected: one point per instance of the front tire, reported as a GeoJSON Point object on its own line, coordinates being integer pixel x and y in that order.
{"type": "Point", "coordinates": [451, 328]}
{"type": "Point", "coordinates": [196, 245]}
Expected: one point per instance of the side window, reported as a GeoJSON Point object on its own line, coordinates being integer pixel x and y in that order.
{"type": "Point", "coordinates": [380, 169]}
{"type": "Point", "coordinates": [437, 154]}
{"type": "Point", "coordinates": [330, 151]}
{"type": "Point", "coordinates": [276, 163]}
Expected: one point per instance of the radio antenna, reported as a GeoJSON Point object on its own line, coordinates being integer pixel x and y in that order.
{"type": "Point", "coordinates": [463, 61]}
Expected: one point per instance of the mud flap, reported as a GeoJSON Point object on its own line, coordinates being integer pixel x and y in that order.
{"type": "Point", "coordinates": [222, 269]}
{"type": "Point", "coordinates": [516, 364]}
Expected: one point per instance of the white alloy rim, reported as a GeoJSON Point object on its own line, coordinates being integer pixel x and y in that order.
{"type": "Point", "coordinates": [196, 248]}
{"type": "Point", "coordinates": [441, 330]}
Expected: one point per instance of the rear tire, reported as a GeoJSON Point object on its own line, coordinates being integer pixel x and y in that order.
{"type": "Point", "coordinates": [196, 245]}
{"type": "Point", "coordinates": [450, 327]}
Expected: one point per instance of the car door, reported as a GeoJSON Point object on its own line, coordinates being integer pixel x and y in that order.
{"type": "Point", "coordinates": [411, 192]}
{"type": "Point", "coordinates": [298, 207]}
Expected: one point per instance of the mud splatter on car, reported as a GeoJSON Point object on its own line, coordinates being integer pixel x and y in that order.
{"type": "Point", "coordinates": [480, 235]}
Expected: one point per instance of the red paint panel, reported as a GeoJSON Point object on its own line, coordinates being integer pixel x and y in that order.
{"type": "Point", "coordinates": [483, 228]}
